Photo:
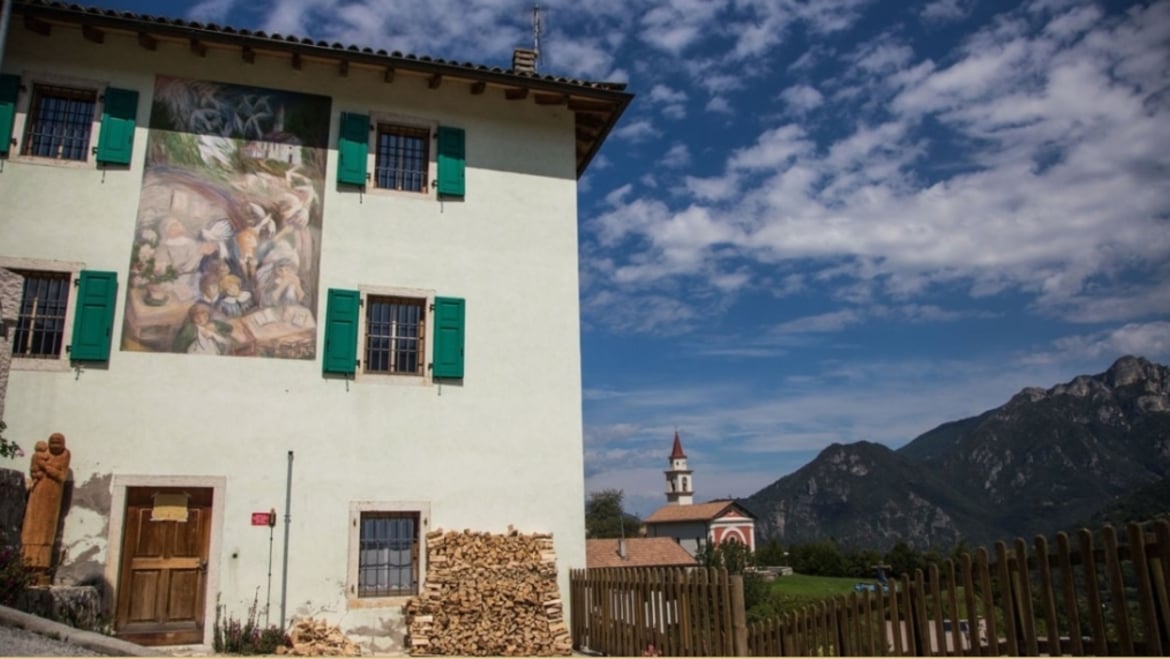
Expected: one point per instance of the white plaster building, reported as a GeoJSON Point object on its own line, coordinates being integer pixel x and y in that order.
{"type": "Point", "coordinates": [381, 319]}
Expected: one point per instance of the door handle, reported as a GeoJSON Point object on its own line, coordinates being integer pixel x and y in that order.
{"type": "Point", "coordinates": [203, 565]}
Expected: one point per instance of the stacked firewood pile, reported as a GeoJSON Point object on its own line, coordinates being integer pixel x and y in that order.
{"type": "Point", "coordinates": [316, 638]}
{"type": "Point", "coordinates": [488, 595]}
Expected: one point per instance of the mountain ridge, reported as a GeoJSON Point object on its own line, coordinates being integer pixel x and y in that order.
{"type": "Point", "coordinates": [1045, 460]}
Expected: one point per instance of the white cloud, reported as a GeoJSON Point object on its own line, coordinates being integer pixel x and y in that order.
{"type": "Point", "coordinates": [676, 156]}
{"type": "Point", "coordinates": [1056, 190]}
{"type": "Point", "coordinates": [945, 11]}
{"type": "Point", "coordinates": [802, 98]}
{"type": "Point", "coordinates": [720, 105]}
{"type": "Point", "coordinates": [833, 321]}
{"type": "Point", "coordinates": [1149, 340]}
{"type": "Point", "coordinates": [211, 11]}
{"type": "Point", "coordinates": [638, 130]}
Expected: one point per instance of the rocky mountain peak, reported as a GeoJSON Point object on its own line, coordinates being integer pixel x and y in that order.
{"type": "Point", "coordinates": [1130, 369]}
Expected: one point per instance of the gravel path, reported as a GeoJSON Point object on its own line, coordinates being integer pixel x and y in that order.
{"type": "Point", "coordinates": [16, 642]}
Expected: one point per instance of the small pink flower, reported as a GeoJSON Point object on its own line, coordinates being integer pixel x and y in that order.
{"type": "Point", "coordinates": [20, 453]}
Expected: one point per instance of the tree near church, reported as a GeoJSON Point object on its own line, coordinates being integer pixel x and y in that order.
{"type": "Point", "coordinates": [605, 518]}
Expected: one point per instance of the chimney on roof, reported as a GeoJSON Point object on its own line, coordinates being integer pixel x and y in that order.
{"type": "Point", "coordinates": [622, 553]}
{"type": "Point", "coordinates": [524, 60]}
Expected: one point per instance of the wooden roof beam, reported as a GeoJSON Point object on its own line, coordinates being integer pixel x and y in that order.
{"type": "Point", "coordinates": [93, 34]}
{"type": "Point", "coordinates": [551, 99]}
{"type": "Point", "coordinates": [478, 87]}
{"type": "Point", "coordinates": [33, 24]}
{"type": "Point", "coordinates": [579, 105]}
{"type": "Point", "coordinates": [343, 68]}
{"type": "Point", "coordinates": [248, 55]}
{"type": "Point", "coordinates": [516, 93]}
{"type": "Point", "coordinates": [199, 48]}
{"type": "Point", "coordinates": [434, 81]}
{"type": "Point", "coordinates": [388, 76]}
{"type": "Point", "coordinates": [296, 61]}
{"type": "Point", "coordinates": [146, 41]}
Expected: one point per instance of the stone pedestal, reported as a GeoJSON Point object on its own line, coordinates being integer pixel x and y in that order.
{"type": "Point", "coordinates": [76, 606]}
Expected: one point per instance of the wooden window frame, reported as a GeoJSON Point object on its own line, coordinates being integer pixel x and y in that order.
{"type": "Point", "coordinates": [421, 510]}
{"type": "Point", "coordinates": [30, 81]}
{"type": "Point", "coordinates": [380, 121]}
{"type": "Point", "coordinates": [393, 336]}
{"type": "Point", "coordinates": [427, 298]}
{"type": "Point", "coordinates": [70, 269]}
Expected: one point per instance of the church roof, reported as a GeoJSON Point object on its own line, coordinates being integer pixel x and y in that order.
{"type": "Point", "coordinates": [677, 452]}
{"type": "Point", "coordinates": [640, 552]}
{"type": "Point", "coordinates": [698, 512]}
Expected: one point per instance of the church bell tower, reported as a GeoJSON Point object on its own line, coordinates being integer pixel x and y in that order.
{"type": "Point", "coordinates": [679, 485]}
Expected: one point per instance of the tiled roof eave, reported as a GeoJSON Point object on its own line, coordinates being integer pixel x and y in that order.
{"type": "Point", "coordinates": [612, 96]}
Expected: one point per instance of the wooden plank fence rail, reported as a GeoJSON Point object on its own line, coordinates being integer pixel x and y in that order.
{"type": "Point", "coordinates": [1093, 594]}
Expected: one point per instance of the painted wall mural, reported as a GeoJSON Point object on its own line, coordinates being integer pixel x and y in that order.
{"type": "Point", "coordinates": [227, 243]}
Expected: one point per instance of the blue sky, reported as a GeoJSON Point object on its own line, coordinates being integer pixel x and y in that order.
{"type": "Point", "coordinates": [830, 221]}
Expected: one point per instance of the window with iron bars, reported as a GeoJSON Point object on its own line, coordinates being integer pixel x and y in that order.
{"type": "Point", "coordinates": [388, 554]}
{"type": "Point", "coordinates": [394, 335]}
{"type": "Point", "coordinates": [402, 160]}
{"type": "Point", "coordinates": [60, 120]}
{"type": "Point", "coordinates": [40, 323]}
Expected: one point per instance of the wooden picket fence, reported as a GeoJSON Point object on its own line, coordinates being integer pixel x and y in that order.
{"type": "Point", "coordinates": [680, 611]}
{"type": "Point", "coordinates": [1089, 594]}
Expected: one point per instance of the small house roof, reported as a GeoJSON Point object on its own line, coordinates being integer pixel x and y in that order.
{"type": "Point", "coordinates": [698, 512]}
{"type": "Point", "coordinates": [640, 552]}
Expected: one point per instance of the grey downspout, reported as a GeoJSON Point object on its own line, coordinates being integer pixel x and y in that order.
{"type": "Point", "coordinates": [287, 520]}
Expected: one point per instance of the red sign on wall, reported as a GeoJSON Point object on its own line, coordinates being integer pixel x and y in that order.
{"type": "Point", "coordinates": [263, 519]}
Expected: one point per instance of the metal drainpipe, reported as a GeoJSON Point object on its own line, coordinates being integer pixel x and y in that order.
{"type": "Point", "coordinates": [4, 16]}
{"type": "Point", "coordinates": [287, 520]}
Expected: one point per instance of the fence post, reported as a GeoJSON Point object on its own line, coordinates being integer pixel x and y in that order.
{"type": "Point", "coordinates": [739, 629]}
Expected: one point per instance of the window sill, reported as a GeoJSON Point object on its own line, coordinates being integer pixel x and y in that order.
{"type": "Point", "coordinates": [56, 365]}
{"type": "Point", "coordinates": [88, 163]}
{"type": "Point", "coordinates": [377, 602]}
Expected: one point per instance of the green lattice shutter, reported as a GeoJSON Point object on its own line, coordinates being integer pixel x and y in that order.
{"type": "Point", "coordinates": [116, 139]}
{"type": "Point", "coordinates": [452, 154]}
{"type": "Point", "coordinates": [341, 331]}
{"type": "Point", "coordinates": [450, 319]}
{"type": "Point", "coordinates": [353, 145]}
{"type": "Point", "coordinates": [9, 91]}
{"type": "Point", "coordinates": [93, 317]}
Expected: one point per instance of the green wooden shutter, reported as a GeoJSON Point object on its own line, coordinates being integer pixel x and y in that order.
{"type": "Point", "coordinates": [116, 140]}
{"type": "Point", "coordinates": [93, 318]}
{"type": "Point", "coordinates": [9, 90]}
{"type": "Point", "coordinates": [450, 319]}
{"type": "Point", "coordinates": [341, 331]}
{"type": "Point", "coordinates": [353, 145]}
{"type": "Point", "coordinates": [452, 153]}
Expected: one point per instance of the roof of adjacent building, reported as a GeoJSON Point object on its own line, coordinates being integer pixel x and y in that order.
{"type": "Point", "coordinates": [640, 552]}
{"type": "Point", "coordinates": [677, 452]}
{"type": "Point", "coordinates": [596, 106]}
{"type": "Point", "coordinates": [697, 512]}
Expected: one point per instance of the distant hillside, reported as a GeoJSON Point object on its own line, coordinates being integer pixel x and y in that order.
{"type": "Point", "coordinates": [1044, 461]}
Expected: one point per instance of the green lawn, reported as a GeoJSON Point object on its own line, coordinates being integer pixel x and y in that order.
{"type": "Point", "coordinates": [803, 585]}
{"type": "Point", "coordinates": [798, 590]}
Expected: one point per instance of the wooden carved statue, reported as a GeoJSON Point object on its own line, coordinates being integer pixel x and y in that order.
{"type": "Point", "coordinates": [49, 469]}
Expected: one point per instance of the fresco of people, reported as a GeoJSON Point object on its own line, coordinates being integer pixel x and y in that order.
{"type": "Point", "coordinates": [227, 245]}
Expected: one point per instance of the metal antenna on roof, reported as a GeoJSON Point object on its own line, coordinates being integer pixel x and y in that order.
{"type": "Point", "coordinates": [536, 35]}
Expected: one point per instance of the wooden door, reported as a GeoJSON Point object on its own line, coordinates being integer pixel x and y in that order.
{"type": "Point", "coordinates": [162, 586]}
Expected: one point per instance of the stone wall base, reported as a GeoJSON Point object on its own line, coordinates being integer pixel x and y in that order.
{"type": "Point", "coordinates": [76, 606]}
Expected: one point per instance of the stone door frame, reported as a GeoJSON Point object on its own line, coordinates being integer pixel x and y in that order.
{"type": "Point", "coordinates": [121, 483]}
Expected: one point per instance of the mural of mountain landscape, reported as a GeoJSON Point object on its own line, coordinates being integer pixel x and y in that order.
{"type": "Point", "coordinates": [1092, 450]}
